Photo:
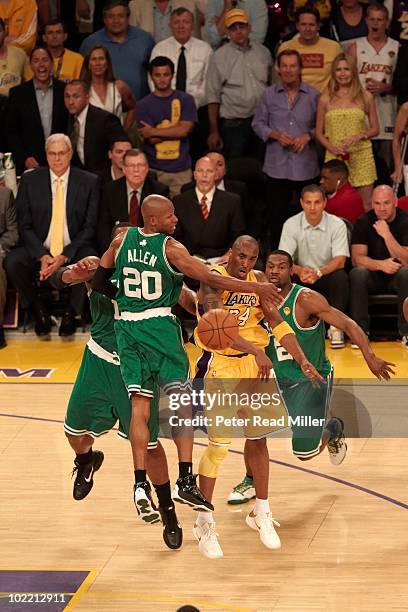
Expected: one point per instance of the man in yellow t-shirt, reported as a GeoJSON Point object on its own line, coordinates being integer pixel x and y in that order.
{"type": "Point", "coordinates": [317, 52]}
{"type": "Point", "coordinates": [13, 64]}
{"type": "Point", "coordinates": [67, 64]}
{"type": "Point", "coordinates": [20, 18]}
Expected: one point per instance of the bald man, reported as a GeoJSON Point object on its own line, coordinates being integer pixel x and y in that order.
{"type": "Point", "coordinates": [379, 255]}
{"type": "Point", "coordinates": [149, 269]}
{"type": "Point", "coordinates": [209, 220]}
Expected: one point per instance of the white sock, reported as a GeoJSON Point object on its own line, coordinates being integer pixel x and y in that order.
{"type": "Point", "coordinates": [261, 506]}
{"type": "Point", "coordinates": [204, 517]}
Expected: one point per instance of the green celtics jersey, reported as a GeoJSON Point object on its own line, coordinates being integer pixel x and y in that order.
{"type": "Point", "coordinates": [146, 279]}
{"type": "Point", "coordinates": [311, 339]}
{"type": "Point", "coordinates": [102, 315]}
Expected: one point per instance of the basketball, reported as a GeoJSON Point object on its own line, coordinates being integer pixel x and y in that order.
{"type": "Point", "coordinates": [218, 329]}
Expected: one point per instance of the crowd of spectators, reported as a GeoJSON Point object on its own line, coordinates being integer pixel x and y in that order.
{"type": "Point", "coordinates": [285, 120]}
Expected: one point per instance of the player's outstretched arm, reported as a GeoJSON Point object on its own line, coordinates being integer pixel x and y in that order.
{"type": "Point", "coordinates": [314, 304]}
{"type": "Point", "coordinates": [181, 259]}
{"type": "Point", "coordinates": [286, 337]}
{"type": "Point", "coordinates": [80, 272]}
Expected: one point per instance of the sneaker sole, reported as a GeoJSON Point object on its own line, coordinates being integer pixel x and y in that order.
{"type": "Point", "coordinates": [256, 528]}
{"type": "Point", "coordinates": [237, 502]}
{"type": "Point", "coordinates": [99, 462]}
{"type": "Point", "coordinates": [338, 462]}
{"type": "Point", "coordinates": [193, 505]}
{"type": "Point", "coordinates": [146, 512]}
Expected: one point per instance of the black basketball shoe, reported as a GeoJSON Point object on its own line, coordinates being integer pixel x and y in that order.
{"type": "Point", "coordinates": [186, 492]}
{"type": "Point", "coordinates": [172, 531]}
{"type": "Point", "coordinates": [84, 475]}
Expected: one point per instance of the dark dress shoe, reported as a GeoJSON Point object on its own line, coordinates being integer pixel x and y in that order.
{"type": "Point", "coordinates": [3, 342]}
{"type": "Point", "coordinates": [42, 322]}
{"type": "Point", "coordinates": [67, 326]}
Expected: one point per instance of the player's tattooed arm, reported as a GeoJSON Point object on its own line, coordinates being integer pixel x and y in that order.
{"type": "Point", "coordinates": [187, 299]}
{"type": "Point", "coordinates": [181, 259]}
{"type": "Point", "coordinates": [209, 298]}
{"type": "Point", "coordinates": [313, 304]}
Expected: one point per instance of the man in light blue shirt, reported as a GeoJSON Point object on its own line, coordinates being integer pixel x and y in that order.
{"type": "Point", "coordinates": [319, 246]}
{"type": "Point", "coordinates": [129, 47]}
{"type": "Point", "coordinates": [215, 15]}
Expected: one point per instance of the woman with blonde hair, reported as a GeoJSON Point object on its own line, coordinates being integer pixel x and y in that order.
{"type": "Point", "coordinates": [106, 92]}
{"type": "Point", "coordinates": [346, 121]}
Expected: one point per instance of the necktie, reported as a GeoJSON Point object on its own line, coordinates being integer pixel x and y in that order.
{"type": "Point", "coordinates": [181, 77]}
{"type": "Point", "coordinates": [57, 221]}
{"type": "Point", "coordinates": [134, 209]}
{"type": "Point", "coordinates": [74, 135]}
{"type": "Point", "coordinates": [204, 207]}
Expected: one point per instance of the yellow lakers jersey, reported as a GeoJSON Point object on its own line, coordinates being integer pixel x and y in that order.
{"type": "Point", "coordinates": [246, 309]}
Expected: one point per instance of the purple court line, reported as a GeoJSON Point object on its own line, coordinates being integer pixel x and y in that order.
{"type": "Point", "coordinates": [346, 483]}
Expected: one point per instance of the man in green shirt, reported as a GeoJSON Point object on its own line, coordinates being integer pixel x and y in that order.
{"type": "Point", "coordinates": [306, 311]}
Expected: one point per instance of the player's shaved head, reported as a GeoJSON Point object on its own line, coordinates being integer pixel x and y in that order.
{"type": "Point", "coordinates": [158, 214]}
{"type": "Point", "coordinates": [244, 240]}
{"type": "Point", "coordinates": [155, 206]}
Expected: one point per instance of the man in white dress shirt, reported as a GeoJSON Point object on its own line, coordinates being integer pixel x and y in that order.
{"type": "Point", "coordinates": [190, 56]}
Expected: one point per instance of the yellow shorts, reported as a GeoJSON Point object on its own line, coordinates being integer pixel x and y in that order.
{"type": "Point", "coordinates": [237, 400]}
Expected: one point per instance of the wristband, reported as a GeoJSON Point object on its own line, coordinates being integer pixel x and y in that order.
{"type": "Point", "coordinates": [282, 329]}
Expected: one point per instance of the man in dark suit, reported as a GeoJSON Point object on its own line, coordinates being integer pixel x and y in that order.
{"type": "Point", "coordinates": [91, 129]}
{"type": "Point", "coordinates": [116, 153]}
{"type": "Point", "coordinates": [57, 208]}
{"type": "Point", "coordinates": [224, 183]}
{"type": "Point", "coordinates": [121, 199]}
{"type": "Point", "coordinates": [8, 239]}
{"type": "Point", "coordinates": [209, 219]}
{"type": "Point", "coordinates": [35, 110]}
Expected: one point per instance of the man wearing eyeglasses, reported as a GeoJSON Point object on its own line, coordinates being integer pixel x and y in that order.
{"type": "Point", "coordinates": [57, 208]}
{"type": "Point", "coordinates": [121, 199]}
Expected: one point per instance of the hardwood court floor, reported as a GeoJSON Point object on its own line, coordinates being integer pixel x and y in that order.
{"type": "Point", "coordinates": [343, 548]}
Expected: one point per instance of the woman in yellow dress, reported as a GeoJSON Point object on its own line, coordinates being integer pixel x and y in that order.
{"type": "Point", "coordinates": [346, 121]}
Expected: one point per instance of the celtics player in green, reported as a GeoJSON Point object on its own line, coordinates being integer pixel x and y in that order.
{"type": "Point", "coordinates": [306, 311]}
{"type": "Point", "coordinates": [99, 398]}
{"type": "Point", "coordinates": [150, 267]}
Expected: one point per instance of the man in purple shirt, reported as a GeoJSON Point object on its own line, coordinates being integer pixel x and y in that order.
{"type": "Point", "coordinates": [285, 119]}
{"type": "Point", "coordinates": [166, 118]}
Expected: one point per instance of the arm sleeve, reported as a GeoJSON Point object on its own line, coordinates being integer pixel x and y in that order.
{"type": "Point", "coordinates": [260, 120]}
{"type": "Point", "coordinates": [339, 241]}
{"type": "Point", "coordinates": [288, 240]}
{"type": "Point", "coordinates": [10, 236]}
{"type": "Point", "coordinates": [258, 18]}
{"type": "Point", "coordinates": [101, 282]}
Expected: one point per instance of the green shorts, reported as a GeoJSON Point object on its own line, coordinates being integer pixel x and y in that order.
{"type": "Point", "coordinates": [152, 353]}
{"type": "Point", "coordinates": [307, 407]}
{"type": "Point", "coordinates": [99, 399]}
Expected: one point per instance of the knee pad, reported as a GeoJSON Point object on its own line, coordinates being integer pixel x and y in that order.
{"type": "Point", "coordinates": [211, 459]}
